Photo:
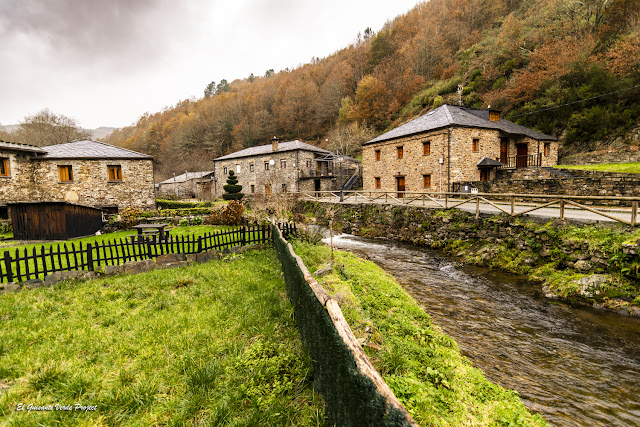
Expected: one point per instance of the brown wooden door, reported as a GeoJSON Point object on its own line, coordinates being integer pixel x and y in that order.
{"type": "Point", "coordinates": [522, 153]}
{"type": "Point", "coordinates": [504, 150]}
{"type": "Point", "coordinates": [400, 185]}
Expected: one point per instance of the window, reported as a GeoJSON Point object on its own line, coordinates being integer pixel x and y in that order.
{"type": "Point", "coordinates": [266, 166]}
{"type": "Point", "coordinates": [547, 149]}
{"type": "Point", "coordinates": [253, 188]}
{"type": "Point", "coordinates": [284, 188]}
{"type": "Point", "coordinates": [426, 147]}
{"type": "Point", "coordinates": [308, 163]}
{"type": "Point", "coordinates": [225, 170]}
{"type": "Point", "coordinates": [115, 172]}
{"type": "Point", "coordinates": [250, 167]}
{"type": "Point", "coordinates": [4, 166]}
{"type": "Point", "coordinates": [283, 164]}
{"type": "Point", "coordinates": [267, 189]}
{"type": "Point", "coordinates": [475, 144]}
{"type": "Point", "coordinates": [377, 155]}
{"type": "Point", "coordinates": [377, 182]}
{"type": "Point", "coordinates": [400, 151]}
{"type": "Point", "coordinates": [426, 181]}
{"type": "Point", "coordinates": [237, 167]}
{"type": "Point", "coordinates": [66, 174]}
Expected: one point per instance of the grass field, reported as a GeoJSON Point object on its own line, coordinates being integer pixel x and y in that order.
{"type": "Point", "coordinates": [421, 364]}
{"type": "Point", "coordinates": [210, 344]}
{"type": "Point", "coordinates": [614, 167]}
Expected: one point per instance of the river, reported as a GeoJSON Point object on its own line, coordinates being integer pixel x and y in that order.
{"type": "Point", "coordinates": [574, 366]}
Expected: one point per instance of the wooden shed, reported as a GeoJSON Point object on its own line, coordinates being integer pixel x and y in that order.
{"type": "Point", "coordinates": [53, 220]}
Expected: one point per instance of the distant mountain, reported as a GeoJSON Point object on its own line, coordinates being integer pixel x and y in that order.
{"type": "Point", "coordinates": [98, 133]}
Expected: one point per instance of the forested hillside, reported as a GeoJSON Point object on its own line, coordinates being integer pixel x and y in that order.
{"type": "Point", "coordinates": [570, 68]}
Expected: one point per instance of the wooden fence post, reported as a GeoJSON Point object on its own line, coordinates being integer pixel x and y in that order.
{"type": "Point", "coordinates": [513, 205]}
{"type": "Point", "coordinates": [477, 207]}
{"type": "Point", "coordinates": [562, 210]}
{"type": "Point", "coordinates": [90, 256]}
{"type": "Point", "coordinates": [634, 213]}
{"type": "Point", "coordinates": [7, 266]}
{"type": "Point", "coordinates": [199, 244]}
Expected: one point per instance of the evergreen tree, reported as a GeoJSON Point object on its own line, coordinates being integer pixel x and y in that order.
{"type": "Point", "coordinates": [232, 189]}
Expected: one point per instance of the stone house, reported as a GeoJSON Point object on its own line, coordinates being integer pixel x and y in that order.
{"type": "Point", "coordinates": [279, 167]}
{"type": "Point", "coordinates": [450, 145]}
{"type": "Point", "coordinates": [82, 172]}
{"type": "Point", "coordinates": [188, 185]}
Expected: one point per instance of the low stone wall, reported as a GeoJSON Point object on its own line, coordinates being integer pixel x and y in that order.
{"type": "Point", "coordinates": [354, 393]}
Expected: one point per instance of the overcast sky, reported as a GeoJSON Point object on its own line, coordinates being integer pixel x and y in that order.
{"type": "Point", "coordinates": [107, 62]}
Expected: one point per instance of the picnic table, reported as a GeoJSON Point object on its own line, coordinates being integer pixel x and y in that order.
{"type": "Point", "coordinates": [147, 229]}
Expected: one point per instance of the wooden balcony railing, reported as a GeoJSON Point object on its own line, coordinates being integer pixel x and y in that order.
{"type": "Point", "coordinates": [522, 161]}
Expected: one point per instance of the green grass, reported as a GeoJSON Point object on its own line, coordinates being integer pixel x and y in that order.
{"type": "Point", "coordinates": [614, 167]}
{"type": "Point", "coordinates": [420, 363]}
{"type": "Point", "coordinates": [210, 344]}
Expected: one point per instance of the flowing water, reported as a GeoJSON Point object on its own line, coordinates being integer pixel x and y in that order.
{"type": "Point", "coordinates": [574, 366]}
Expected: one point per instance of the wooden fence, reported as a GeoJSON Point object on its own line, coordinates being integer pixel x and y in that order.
{"type": "Point", "coordinates": [36, 263]}
{"type": "Point", "coordinates": [561, 206]}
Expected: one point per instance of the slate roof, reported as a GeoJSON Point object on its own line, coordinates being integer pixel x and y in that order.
{"type": "Point", "coordinates": [267, 149]}
{"type": "Point", "coordinates": [450, 115]}
{"type": "Point", "coordinates": [186, 177]}
{"type": "Point", "coordinates": [13, 146]}
{"type": "Point", "coordinates": [487, 162]}
{"type": "Point", "coordinates": [90, 150]}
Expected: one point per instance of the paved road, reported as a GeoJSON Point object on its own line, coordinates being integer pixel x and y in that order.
{"type": "Point", "coordinates": [551, 212]}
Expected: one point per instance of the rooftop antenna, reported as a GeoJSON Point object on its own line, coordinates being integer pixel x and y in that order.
{"type": "Point", "coordinates": [460, 88]}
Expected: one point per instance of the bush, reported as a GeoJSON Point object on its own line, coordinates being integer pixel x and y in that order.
{"type": "Point", "coordinates": [232, 213]}
{"type": "Point", "coordinates": [232, 188]}
{"type": "Point", "coordinates": [176, 204]}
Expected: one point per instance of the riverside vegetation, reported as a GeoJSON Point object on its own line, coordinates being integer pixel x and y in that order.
{"type": "Point", "coordinates": [421, 364]}
{"type": "Point", "coordinates": [593, 264]}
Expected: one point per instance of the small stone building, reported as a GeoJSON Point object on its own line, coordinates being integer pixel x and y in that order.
{"type": "Point", "coordinates": [188, 185]}
{"type": "Point", "coordinates": [450, 145]}
{"type": "Point", "coordinates": [279, 167]}
{"type": "Point", "coordinates": [88, 173]}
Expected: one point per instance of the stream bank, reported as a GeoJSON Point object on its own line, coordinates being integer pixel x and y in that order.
{"type": "Point", "coordinates": [580, 264]}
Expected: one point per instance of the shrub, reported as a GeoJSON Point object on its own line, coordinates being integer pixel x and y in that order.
{"type": "Point", "coordinates": [232, 189]}
{"type": "Point", "coordinates": [174, 204]}
{"type": "Point", "coordinates": [232, 213]}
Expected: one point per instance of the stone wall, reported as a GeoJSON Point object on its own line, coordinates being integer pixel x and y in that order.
{"type": "Point", "coordinates": [20, 184]}
{"type": "Point", "coordinates": [629, 155]}
{"type": "Point", "coordinates": [564, 182]}
{"type": "Point", "coordinates": [454, 147]}
{"type": "Point", "coordinates": [38, 180]}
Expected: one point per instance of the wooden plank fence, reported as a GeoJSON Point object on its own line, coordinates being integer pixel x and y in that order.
{"type": "Point", "coordinates": [36, 263]}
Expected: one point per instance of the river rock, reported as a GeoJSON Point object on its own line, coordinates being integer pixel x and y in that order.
{"type": "Point", "coordinates": [591, 286]}
{"type": "Point", "coordinates": [324, 270]}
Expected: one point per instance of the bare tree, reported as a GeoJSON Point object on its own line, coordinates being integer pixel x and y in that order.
{"type": "Point", "coordinates": [348, 139]}
{"type": "Point", "coordinates": [48, 128]}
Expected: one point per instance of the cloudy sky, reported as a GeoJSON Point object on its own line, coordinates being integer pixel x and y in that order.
{"type": "Point", "coordinates": [106, 62]}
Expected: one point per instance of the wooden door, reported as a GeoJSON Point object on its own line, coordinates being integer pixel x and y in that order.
{"type": "Point", "coordinates": [522, 153]}
{"type": "Point", "coordinates": [504, 150]}
{"type": "Point", "coordinates": [400, 185]}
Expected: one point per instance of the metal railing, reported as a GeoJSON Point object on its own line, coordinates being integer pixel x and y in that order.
{"type": "Point", "coordinates": [522, 161]}
{"type": "Point", "coordinates": [502, 202]}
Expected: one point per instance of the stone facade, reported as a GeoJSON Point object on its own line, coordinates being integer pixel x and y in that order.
{"type": "Point", "coordinates": [454, 146]}
{"type": "Point", "coordinates": [629, 155]}
{"type": "Point", "coordinates": [276, 169]}
{"type": "Point", "coordinates": [566, 182]}
{"type": "Point", "coordinates": [34, 178]}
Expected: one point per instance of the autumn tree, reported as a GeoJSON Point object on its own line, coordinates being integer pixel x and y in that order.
{"type": "Point", "coordinates": [48, 128]}
{"type": "Point", "coordinates": [371, 102]}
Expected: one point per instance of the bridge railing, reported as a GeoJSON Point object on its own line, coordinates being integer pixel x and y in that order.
{"type": "Point", "coordinates": [503, 202]}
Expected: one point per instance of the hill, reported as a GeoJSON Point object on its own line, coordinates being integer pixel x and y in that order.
{"type": "Point", "coordinates": [565, 67]}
